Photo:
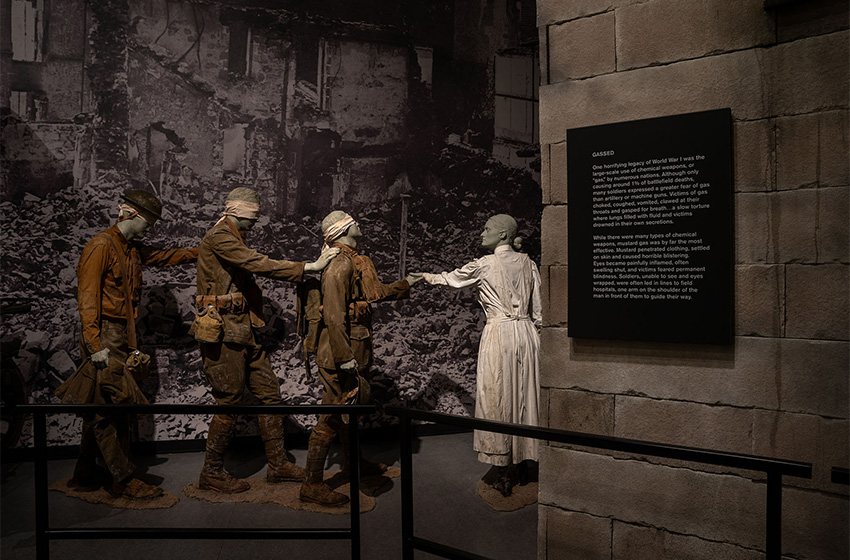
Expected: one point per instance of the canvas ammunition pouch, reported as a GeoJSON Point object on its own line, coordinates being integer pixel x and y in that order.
{"type": "Point", "coordinates": [360, 312]}
{"type": "Point", "coordinates": [208, 326]}
{"type": "Point", "coordinates": [234, 303]}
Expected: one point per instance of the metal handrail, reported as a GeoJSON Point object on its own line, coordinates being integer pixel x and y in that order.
{"type": "Point", "coordinates": [44, 534]}
{"type": "Point", "coordinates": [775, 469]}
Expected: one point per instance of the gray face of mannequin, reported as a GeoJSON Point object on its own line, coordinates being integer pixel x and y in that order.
{"type": "Point", "coordinates": [492, 236]}
{"type": "Point", "coordinates": [134, 228]}
{"type": "Point", "coordinates": [243, 224]}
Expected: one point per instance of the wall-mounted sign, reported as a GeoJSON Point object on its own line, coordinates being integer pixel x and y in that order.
{"type": "Point", "coordinates": [650, 230]}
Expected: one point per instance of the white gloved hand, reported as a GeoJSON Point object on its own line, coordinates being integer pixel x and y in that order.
{"type": "Point", "coordinates": [100, 359]}
{"type": "Point", "coordinates": [324, 259]}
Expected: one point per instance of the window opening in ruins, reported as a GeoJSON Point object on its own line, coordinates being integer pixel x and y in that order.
{"type": "Point", "coordinates": [27, 30]}
{"type": "Point", "coordinates": [425, 58]}
{"type": "Point", "coordinates": [516, 107]}
{"type": "Point", "coordinates": [28, 105]}
{"type": "Point", "coordinates": [307, 60]}
{"type": "Point", "coordinates": [240, 51]}
{"type": "Point", "coordinates": [234, 146]}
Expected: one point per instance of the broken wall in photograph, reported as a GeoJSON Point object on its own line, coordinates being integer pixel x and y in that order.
{"type": "Point", "coordinates": [417, 118]}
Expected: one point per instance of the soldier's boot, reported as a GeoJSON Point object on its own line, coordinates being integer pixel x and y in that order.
{"type": "Point", "coordinates": [213, 476]}
{"type": "Point", "coordinates": [88, 475]}
{"type": "Point", "coordinates": [504, 481]}
{"type": "Point", "coordinates": [280, 468]}
{"type": "Point", "coordinates": [367, 468]}
{"type": "Point", "coordinates": [134, 489]}
{"type": "Point", "coordinates": [314, 489]}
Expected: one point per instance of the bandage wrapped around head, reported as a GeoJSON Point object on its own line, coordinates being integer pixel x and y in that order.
{"type": "Point", "coordinates": [242, 202]}
{"type": "Point", "coordinates": [242, 209]}
{"type": "Point", "coordinates": [337, 229]}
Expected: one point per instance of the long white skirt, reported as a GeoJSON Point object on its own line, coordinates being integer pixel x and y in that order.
{"type": "Point", "coordinates": [508, 382]}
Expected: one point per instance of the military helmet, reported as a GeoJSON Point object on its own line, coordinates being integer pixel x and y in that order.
{"type": "Point", "coordinates": [146, 203]}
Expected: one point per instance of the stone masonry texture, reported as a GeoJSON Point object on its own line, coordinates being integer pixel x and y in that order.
{"type": "Point", "coordinates": [781, 389]}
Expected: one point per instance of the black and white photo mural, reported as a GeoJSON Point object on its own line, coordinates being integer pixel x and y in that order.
{"type": "Point", "coordinates": [417, 118]}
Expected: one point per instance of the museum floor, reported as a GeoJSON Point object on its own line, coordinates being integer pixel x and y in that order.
{"type": "Point", "coordinates": [448, 510]}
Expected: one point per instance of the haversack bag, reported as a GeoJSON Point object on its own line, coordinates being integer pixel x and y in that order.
{"type": "Point", "coordinates": [138, 365]}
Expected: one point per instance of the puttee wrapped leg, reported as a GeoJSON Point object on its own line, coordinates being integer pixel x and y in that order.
{"type": "Point", "coordinates": [314, 488]}
{"type": "Point", "coordinates": [213, 476]}
{"type": "Point", "coordinates": [280, 468]}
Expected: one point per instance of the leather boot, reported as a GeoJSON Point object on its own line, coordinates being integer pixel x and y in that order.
{"type": "Point", "coordinates": [213, 476]}
{"type": "Point", "coordinates": [280, 468]}
{"type": "Point", "coordinates": [314, 488]}
{"type": "Point", "coordinates": [367, 468]}
{"type": "Point", "coordinates": [504, 483]}
{"type": "Point", "coordinates": [134, 489]}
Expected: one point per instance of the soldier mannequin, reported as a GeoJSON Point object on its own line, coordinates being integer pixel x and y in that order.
{"type": "Point", "coordinates": [109, 269]}
{"type": "Point", "coordinates": [349, 285]}
{"type": "Point", "coordinates": [226, 267]}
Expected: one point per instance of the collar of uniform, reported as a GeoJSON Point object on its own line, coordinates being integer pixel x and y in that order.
{"type": "Point", "coordinates": [503, 248]}
{"type": "Point", "coordinates": [345, 248]}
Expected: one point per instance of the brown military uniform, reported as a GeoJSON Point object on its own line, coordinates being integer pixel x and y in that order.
{"type": "Point", "coordinates": [226, 268]}
{"type": "Point", "coordinates": [103, 313]}
{"type": "Point", "coordinates": [350, 285]}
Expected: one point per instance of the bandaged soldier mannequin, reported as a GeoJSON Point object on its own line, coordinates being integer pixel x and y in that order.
{"type": "Point", "coordinates": [109, 283]}
{"type": "Point", "coordinates": [507, 380]}
{"type": "Point", "coordinates": [349, 285]}
{"type": "Point", "coordinates": [233, 359]}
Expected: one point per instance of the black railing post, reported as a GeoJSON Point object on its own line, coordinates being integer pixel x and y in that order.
{"type": "Point", "coordinates": [354, 484]}
{"type": "Point", "coordinates": [406, 488]}
{"type": "Point", "coordinates": [773, 531]}
{"type": "Point", "coordinates": [42, 515]}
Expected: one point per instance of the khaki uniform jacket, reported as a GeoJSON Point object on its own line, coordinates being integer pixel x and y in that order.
{"type": "Point", "coordinates": [226, 265]}
{"type": "Point", "coordinates": [100, 282]}
{"type": "Point", "coordinates": [349, 285]}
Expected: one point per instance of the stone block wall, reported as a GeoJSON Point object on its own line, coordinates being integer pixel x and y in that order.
{"type": "Point", "coordinates": [781, 390]}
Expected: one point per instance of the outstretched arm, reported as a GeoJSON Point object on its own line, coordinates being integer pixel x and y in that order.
{"type": "Point", "coordinates": [465, 276]}
{"type": "Point", "coordinates": [154, 256]}
{"type": "Point", "coordinates": [230, 248]}
{"type": "Point", "coordinates": [373, 288]}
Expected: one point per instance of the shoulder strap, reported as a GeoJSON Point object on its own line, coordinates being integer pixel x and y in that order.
{"type": "Point", "coordinates": [128, 300]}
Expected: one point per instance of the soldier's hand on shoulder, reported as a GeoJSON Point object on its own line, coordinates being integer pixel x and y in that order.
{"type": "Point", "coordinates": [324, 259]}
{"type": "Point", "coordinates": [100, 359]}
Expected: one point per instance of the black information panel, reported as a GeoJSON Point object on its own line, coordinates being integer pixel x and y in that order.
{"type": "Point", "coordinates": [650, 229]}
